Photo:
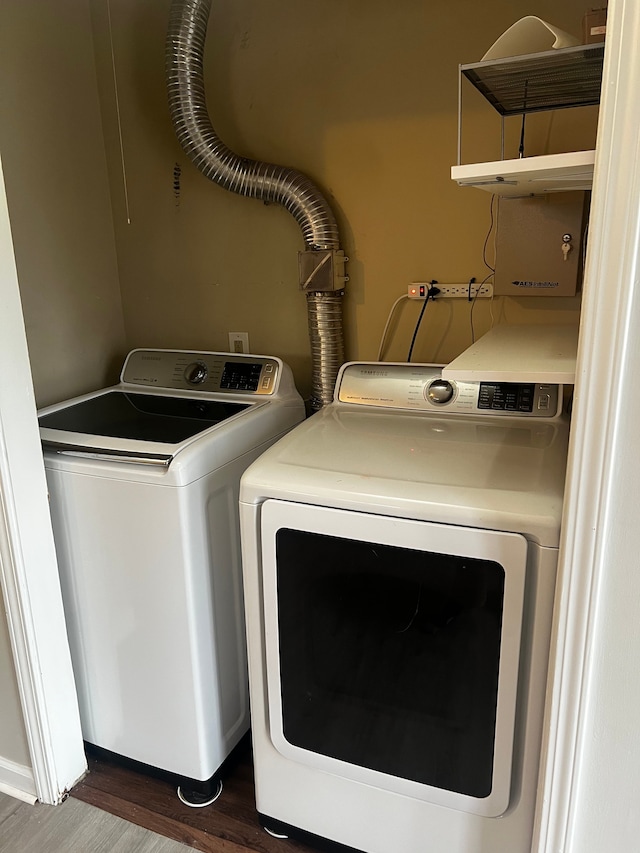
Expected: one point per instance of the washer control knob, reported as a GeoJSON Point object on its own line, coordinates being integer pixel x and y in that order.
{"type": "Point", "coordinates": [439, 392]}
{"type": "Point", "coordinates": [196, 373]}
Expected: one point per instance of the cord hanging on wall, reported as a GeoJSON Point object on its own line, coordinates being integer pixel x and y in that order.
{"type": "Point", "coordinates": [177, 174]}
{"type": "Point", "coordinates": [119, 117]}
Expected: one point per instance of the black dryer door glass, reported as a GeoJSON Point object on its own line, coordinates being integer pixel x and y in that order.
{"type": "Point", "coordinates": [389, 657]}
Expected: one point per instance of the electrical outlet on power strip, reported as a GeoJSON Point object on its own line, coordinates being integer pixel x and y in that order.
{"type": "Point", "coordinates": [464, 291]}
{"type": "Point", "coordinates": [420, 289]}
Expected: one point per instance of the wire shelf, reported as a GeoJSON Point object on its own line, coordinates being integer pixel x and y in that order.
{"type": "Point", "coordinates": [554, 79]}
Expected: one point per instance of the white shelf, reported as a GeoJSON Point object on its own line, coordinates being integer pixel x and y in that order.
{"type": "Point", "coordinates": [529, 175]}
{"type": "Point", "coordinates": [514, 353]}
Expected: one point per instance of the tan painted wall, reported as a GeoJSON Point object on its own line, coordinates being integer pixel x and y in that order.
{"type": "Point", "coordinates": [13, 738]}
{"type": "Point", "coordinates": [363, 98]}
{"type": "Point", "coordinates": [58, 194]}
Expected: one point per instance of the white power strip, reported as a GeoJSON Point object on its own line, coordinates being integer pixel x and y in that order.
{"type": "Point", "coordinates": [420, 290]}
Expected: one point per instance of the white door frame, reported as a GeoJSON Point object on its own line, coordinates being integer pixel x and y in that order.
{"type": "Point", "coordinates": [28, 568]}
{"type": "Point", "coordinates": [593, 526]}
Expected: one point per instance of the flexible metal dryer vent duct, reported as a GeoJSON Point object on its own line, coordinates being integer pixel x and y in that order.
{"type": "Point", "coordinates": [322, 265]}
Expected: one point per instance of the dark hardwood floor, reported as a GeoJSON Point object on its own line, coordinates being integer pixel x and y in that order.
{"type": "Point", "coordinates": [230, 825]}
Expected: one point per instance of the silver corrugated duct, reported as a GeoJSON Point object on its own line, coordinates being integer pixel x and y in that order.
{"type": "Point", "coordinates": [279, 184]}
{"type": "Point", "coordinates": [327, 348]}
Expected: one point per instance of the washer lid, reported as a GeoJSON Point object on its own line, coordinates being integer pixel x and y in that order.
{"type": "Point", "coordinates": [141, 417]}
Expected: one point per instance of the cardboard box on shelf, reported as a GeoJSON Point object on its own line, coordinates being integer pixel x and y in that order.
{"type": "Point", "coordinates": [594, 25]}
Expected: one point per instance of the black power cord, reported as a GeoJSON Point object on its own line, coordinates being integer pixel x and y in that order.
{"type": "Point", "coordinates": [433, 292]}
{"type": "Point", "coordinates": [471, 298]}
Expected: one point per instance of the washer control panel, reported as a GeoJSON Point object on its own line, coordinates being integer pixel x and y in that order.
{"type": "Point", "coordinates": [217, 372]}
{"type": "Point", "coordinates": [421, 387]}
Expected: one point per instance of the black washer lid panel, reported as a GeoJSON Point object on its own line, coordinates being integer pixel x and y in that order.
{"type": "Point", "coordinates": [141, 417]}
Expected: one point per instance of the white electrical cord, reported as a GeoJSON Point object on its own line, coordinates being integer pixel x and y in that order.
{"type": "Point", "coordinates": [388, 323]}
{"type": "Point", "coordinates": [495, 260]}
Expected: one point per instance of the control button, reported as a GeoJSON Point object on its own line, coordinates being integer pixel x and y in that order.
{"type": "Point", "coordinates": [498, 401]}
{"type": "Point", "coordinates": [238, 376]}
{"type": "Point", "coordinates": [505, 396]}
{"type": "Point", "coordinates": [266, 383]}
{"type": "Point", "coordinates": [485, 395]}
{"type": "Point", "coordinates": [268, 368]}
{"type": "Point", "coordinates": [544, 401]}
{"type": "Point", "coordinates": [195, 373]}
{"type": "Point", "coordinates": [440, 391]}
{"type": "Point", "coordinates": [525, 398]}
{"type": "Point", "coordinates": [511, 399]}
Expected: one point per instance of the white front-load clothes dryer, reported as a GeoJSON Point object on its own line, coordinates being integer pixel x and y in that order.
{"type": "Point", "coordinates": [143, 480]}
{"type": "Point", "coordinates": [399, 553]}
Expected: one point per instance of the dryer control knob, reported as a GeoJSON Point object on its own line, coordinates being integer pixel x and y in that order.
{"type": "Point", "coordinates": [439, 392]}
{"type": "Point", "coordinates": [196, 373]}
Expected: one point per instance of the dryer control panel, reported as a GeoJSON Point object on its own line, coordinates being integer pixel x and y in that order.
{"type": "Point", "coordinates": [421, 387]}
{"type": "Point", "coordinates": [206, 372]}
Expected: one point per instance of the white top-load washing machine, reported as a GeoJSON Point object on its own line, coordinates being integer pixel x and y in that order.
{"type": "Point", "coordinates": [143, 480]}
{"type": "Point", "coordinates": [399, 553]}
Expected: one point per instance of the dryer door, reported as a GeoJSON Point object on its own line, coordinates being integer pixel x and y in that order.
{"type": "Point", "coordinates": [392, 650]}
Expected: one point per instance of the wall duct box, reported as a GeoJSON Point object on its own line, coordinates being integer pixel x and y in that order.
{"type": "Point", "coordinates": [530, 260]}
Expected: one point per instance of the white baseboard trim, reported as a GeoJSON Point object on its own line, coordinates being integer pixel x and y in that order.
{"type": "Point", "coordinates": [17, 781]}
